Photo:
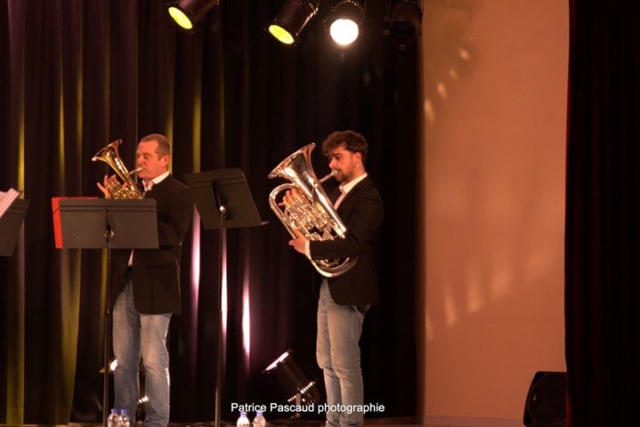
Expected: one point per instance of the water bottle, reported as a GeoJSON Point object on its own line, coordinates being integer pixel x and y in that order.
{"type": "Point", "coordinates": [243, 421]}
{"type": "Point", "coordinates": [113, 420]}
{"type": "Point", "coordinates": [125, 421]}
{"type": "Point", "coordinates": [259, 420]}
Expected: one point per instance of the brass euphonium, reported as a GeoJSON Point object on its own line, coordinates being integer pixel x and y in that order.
{"type": "Point", "coordinates": [308, 208]}
{"type": "Point", "coordinates": [127, 189]}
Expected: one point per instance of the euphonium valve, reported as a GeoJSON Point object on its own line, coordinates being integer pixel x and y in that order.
{"type": "Point", "coordinates": [307, 208]}
{"type": "Point", "coordinates": [127, 189]}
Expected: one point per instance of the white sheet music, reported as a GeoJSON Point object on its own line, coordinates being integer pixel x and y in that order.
{"type": "Point", "coordinates": [6, 199]}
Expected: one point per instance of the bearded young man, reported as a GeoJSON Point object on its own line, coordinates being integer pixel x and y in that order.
{"type": "Point", "coordinates": [344, 300]}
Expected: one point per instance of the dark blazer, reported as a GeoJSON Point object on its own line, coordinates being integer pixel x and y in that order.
{"type": "Point", "coordinates": [362, 212]}
{"type": "Point", "coordinates": [156, 272]}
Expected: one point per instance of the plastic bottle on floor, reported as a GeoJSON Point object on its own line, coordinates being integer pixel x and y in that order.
{"type": "Point", "coordinates": [243, 420]}
{"type": "Point", "coordinates": [259, 420]}
{"type": "Point", "coordinates": [113, 420]}
{"type": "Point", "coordinates": [125, 421]}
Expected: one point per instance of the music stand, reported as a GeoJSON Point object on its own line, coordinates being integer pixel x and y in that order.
{"type": "Point", "coordinates": [10, 224]}
{"type": "Point", "coordinates": [91, 223]}
{"type": "Point", "coordinates": [223, 200]}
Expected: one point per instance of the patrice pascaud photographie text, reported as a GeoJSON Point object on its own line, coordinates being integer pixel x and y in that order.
{"type": "Point", "coordinates": [308, 408]}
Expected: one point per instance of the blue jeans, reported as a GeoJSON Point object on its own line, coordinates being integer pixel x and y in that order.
{"type": "Point", "coordinates": [338, 355]}
{"type": "Point", "coordinates": [141, 335]}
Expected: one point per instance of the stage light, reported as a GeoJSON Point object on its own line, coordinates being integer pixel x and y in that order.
{"type": "Point", "coordinates": [293, 17]}
{"type": "Point", "coordinates": [297, 387]}
{"type": "Point", "coordinates": [141, 407]}
{"type": "Point", "coordinates": [405, 19]}
{"type": "Point", "coordinates": [187, 13]}
{"type": "Point", "coordinates": [345, 20]}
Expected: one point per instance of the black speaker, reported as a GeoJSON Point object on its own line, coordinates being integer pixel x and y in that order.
{"type": "Point", "coordinates": [546, 404]}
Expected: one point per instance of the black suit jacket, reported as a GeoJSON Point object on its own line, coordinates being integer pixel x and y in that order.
{"type": "Point", "coordinates": [156, 272]}
{"type": "Point", "coordinates": [362, 212]}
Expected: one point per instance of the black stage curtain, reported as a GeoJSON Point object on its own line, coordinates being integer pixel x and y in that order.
{"type": "Point", "coordinates": [602, 233]}
{"type": "Point", "coordinates": [76, 75]}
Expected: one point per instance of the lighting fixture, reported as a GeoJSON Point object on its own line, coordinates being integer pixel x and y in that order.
{"type": "Point", "coordinates": [187, 13]}
{"type": "Point", "coordinates": [294, 382]}
{"type": "Point", "coordinates": [405, 19]}
{"type": "Point", "coordinates": [345, 20]}
{"type": "Point", "coordinates": [293, 17]}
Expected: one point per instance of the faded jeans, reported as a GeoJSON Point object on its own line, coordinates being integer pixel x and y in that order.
{"type": "Point", "coordinates": [338, 355]}
{"type": "Point", "coordinates": [134, 336]}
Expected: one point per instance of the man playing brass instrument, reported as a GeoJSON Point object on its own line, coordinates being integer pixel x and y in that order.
{"type": "Point", "coordinates": [345, 299]}
{"type": "Point", "coordinates": [150, 290]}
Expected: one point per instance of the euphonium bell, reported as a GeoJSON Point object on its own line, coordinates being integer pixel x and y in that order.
{"type": "Point", "coordinates": [127, 189]}
{"type": "Point", "coordinates": [308, 209]}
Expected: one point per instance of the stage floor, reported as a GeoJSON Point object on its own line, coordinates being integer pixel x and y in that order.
{"type": "Point", "coordinates": [290, 422]}
{"type": "Point", "coordinates": [373, 422]}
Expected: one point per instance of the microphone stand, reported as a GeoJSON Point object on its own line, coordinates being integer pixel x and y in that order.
{"type": "Point", "coordinates": [108, 236]}
{"type": "Point", "coordinates": [220, 347]}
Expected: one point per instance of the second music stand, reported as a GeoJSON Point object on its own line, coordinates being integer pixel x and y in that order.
{"type": "Point", "coordinates": [223, 200]}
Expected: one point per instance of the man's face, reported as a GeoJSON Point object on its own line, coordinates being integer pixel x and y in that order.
{"type": "Point", "coordinates": [344, 162]}
{"type": "Point", "coordinates": [152, 165]}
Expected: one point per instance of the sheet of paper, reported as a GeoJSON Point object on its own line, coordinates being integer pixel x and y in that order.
{"type": "Point", "coordinates": [6, 199]}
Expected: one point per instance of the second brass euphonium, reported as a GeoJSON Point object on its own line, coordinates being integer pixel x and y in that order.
{"type": "Point", "coordinates": [308, 210]}
{"type": "Point", "coordinates": [127, 189]}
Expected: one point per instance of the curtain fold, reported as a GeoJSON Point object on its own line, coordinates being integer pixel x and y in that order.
{"type": "Point", "coordinates": [12, 326]}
